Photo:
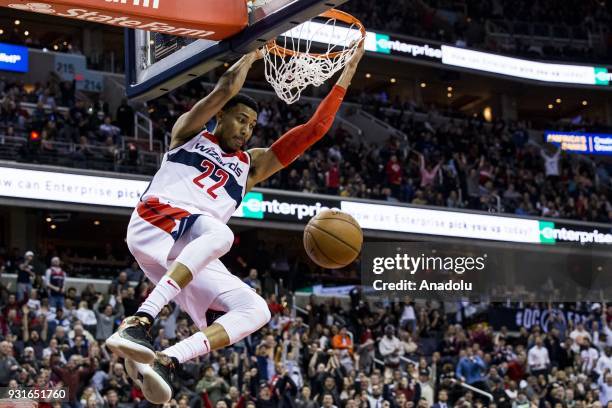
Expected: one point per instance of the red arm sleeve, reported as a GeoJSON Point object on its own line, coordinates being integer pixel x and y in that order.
{"type": "Point", "coordinates": [293, 143]}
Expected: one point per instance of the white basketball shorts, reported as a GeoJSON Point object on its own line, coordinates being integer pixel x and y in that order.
{"type": "Point", "coordinates": [157, 233]}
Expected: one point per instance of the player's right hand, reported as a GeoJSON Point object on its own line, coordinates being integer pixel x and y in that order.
{"type": "Point", "coordinates": [256, 54]}
{"type": "Point", "coordinates": [352, 63]}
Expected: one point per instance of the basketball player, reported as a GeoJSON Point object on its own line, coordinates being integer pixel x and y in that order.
{"type": "Point", "coordinates": [178, 231]}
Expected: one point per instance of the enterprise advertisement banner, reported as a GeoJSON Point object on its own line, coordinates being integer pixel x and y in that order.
{"type": "Point", "coordinates": [300, 208]}
{"type": "Point", "coordinates": [417, 49]}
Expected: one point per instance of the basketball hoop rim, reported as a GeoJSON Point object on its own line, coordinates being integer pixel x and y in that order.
{"type": "Point", "coordinates": [273, 47]}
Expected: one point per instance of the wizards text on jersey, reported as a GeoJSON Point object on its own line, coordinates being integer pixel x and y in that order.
{"type": "Point", "coordinates": [233, 166]}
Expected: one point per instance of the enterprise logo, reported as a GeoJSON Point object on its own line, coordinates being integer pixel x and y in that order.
{"type": "Point", "coordinates": [602, 76]}
{"type": "Point", "coordinates": [254, 206]}
{"type": "Point", "coordinates": [385, 45]}
{"type": "Point", "coordinates": [549, 234]}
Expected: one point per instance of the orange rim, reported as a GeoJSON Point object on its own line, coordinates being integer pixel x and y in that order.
{"type": "Point", "coordinates": [276, 49]}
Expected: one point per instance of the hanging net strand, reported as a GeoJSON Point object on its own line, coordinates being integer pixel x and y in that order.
{"type": "Point", "coordinates": [291, 66]}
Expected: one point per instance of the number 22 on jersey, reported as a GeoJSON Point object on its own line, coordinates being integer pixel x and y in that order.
{"type": "Point", "coordinates": [209, 168]}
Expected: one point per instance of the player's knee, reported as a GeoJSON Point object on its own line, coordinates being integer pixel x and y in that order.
{"type": "Point", "coordinates": [261, 311]}
{"type": "Point", "coordinates": [129, 241]}
{"type": "Point", "coordinates": [223, 238]}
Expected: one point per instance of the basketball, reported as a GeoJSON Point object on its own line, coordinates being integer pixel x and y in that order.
{"type": "Point", "coordinates": [333, 239]}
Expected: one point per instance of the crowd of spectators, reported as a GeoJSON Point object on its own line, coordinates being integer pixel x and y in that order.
{"type": "Point", "coordinates": [47, 123]}
{"type": "Point", "coordinates": [468, 163]}
{"type": "Point", "coordinates": [344, 354]}
{"type": "Point", "coordinates": [463, 23]}
{"type": "Point", "coordinates": [457, 164]}
{"type": "Point", "coordinates": [461, 163]}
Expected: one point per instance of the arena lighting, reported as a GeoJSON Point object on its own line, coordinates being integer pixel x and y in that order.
{"type": "Point", "coordinates": [368, 75]}
{"type": "Point", "coordinates": [584, 103]}
{"type": "Point", "coordinates": [423, 85]}
{"type": "Point", "coordinates": [17, 22]}
{"type": "Point", "coordinates": [1, 31]}
{"type": "Point", "coordinates": [53, 226]}
{"type": "Point", "coordinates": [449, 89]}
{"type": "Point", "coordinates": [558, 100]}
{"type": "Point", "coordinates": [450, 95]}
{"type": "Point", "coordinates": [26, 33]}
{"type": "Point", "coordinates": [55, 47]}
{"type": "Point", "coordinates": [48, 219]}
{"type": "Point", "coordinates": [393, 80]}
{"type": "Point", "coordinates": [487, 113]}
{"type": "Point", "coordinates": [96, 222]}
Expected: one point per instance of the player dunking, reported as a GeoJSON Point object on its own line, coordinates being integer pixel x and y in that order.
{"type": "Point", "coordinates": [178, 231]}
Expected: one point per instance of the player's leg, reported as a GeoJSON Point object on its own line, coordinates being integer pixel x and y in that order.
{"type": "Point", "coordinates": [205, 240]}
{"type": "Point", "coordinates": [246, 312]}
{"type": "Point", "coordinates": [148, 244]}
{"type": "Point", "coordinates": [135, 369]}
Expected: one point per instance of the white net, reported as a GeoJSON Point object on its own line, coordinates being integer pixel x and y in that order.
{"type": "Point", "coordinates": [291, 63]}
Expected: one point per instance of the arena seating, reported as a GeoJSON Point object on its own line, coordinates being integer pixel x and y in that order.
{"type": "Point", "coordinates": [322, 353]}
{"type": "Point", "coordinates": [457, 172]}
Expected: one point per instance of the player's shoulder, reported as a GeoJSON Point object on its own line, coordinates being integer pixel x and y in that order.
{"type": "Point", "coordinates": [243, 156]}
{"type": "Point", "coordinates": [255, 152]}
{"type": "Point", "coordinates": [203, 136]}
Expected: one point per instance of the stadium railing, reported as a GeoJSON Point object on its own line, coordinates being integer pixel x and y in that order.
{"type": "Point", "coordinates": [473, 389]}
{"type": "Point", "coordinates": [143, 127]}
{"type": "Point", "coordinates": [552, 34]}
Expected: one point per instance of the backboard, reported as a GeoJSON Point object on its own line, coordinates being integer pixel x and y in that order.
{"type": "Point", "coordinates": [156, 63]}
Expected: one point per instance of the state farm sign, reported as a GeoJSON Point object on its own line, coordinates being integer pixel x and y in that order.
{"type": "Point", "coordinates": [210, 19]}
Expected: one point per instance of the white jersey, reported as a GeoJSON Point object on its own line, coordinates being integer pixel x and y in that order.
{"type": "Point", "coordinates": [200, 177]}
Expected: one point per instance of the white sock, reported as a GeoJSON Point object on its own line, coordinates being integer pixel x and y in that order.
{"type": "Point", "coordinates": [190, 348]}
{"type": "Point", "coordinates": [163, 293]}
